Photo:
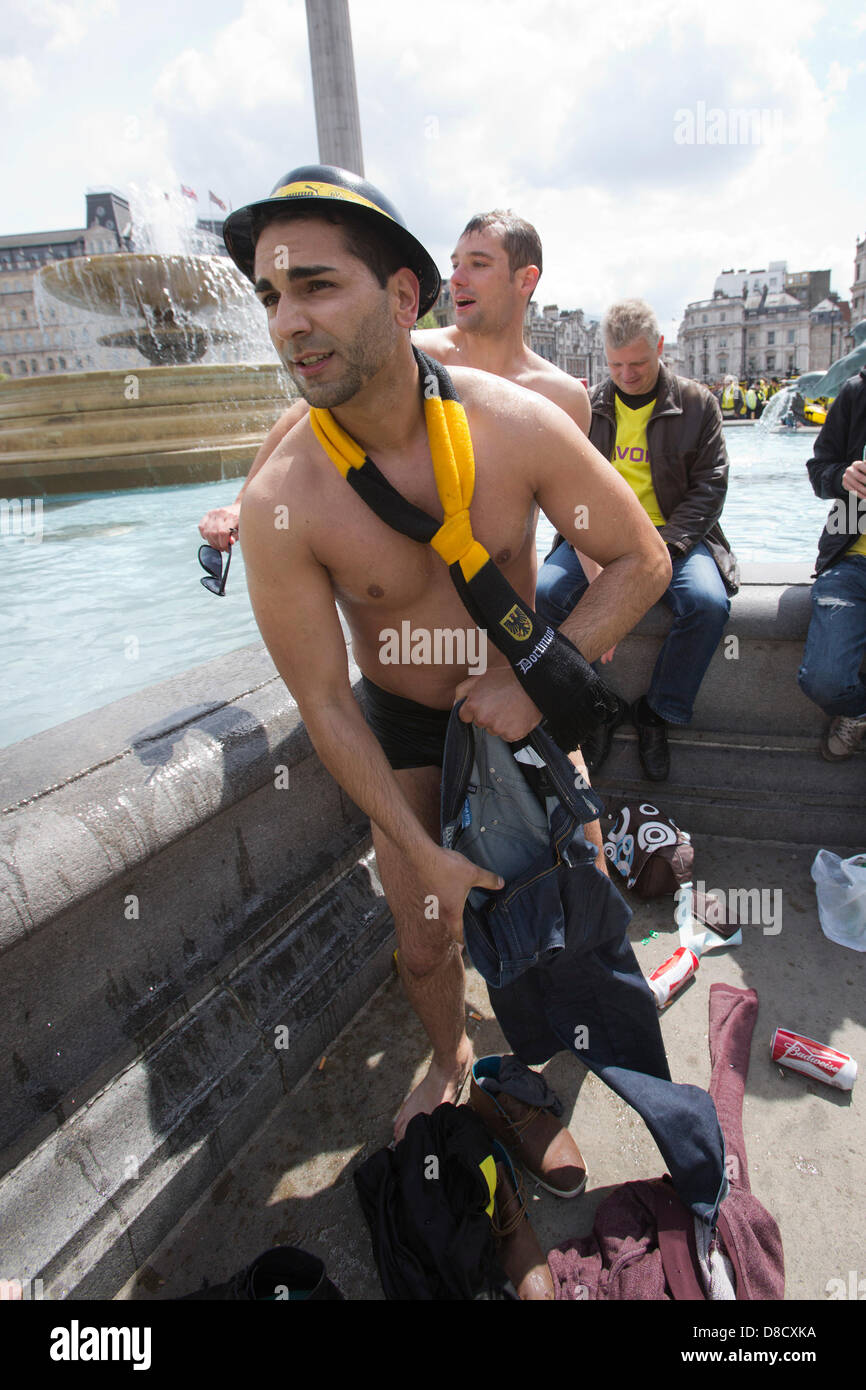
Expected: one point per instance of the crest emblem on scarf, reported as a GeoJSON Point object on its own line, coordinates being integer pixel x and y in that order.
{"type": "Point", "coordinates": [516, 623]}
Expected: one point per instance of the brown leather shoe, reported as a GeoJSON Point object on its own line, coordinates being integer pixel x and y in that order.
{"type": "Point", "coordinates": [517, 1245]}
{"type": "Point", "coordinates": [534, 1135]}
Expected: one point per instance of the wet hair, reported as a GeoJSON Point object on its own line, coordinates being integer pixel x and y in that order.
{"type": "Point", "coordinates": [365, 242]}
{"type": "Point", "coordinates": [520, 239]}
{"type": "Point", "coordinates": [627, 320]}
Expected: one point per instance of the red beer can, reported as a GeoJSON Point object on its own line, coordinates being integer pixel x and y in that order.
{"type": "Point", "coordinates": [672, 974]}
{"type": "Point", "coordinates": [813, 1059]}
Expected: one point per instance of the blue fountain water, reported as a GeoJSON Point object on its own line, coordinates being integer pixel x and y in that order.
{"type": "Point", "coordinates": [108, 601]}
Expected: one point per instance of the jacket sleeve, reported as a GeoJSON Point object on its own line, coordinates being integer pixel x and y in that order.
{"type": "Point", "coordinates": [702, 504]}
{"type": "Point", "coordinates": [830, 459]}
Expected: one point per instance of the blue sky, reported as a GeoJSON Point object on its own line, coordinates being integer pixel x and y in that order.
{"type": "Point", "coordinates": [565, 111]}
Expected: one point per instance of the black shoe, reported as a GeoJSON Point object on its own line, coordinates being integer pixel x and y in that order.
{"type": "Point", "coordinates": [281, 1273]}
{"type": "Point", "coordinates": [596, 748]}
{"type": "Point", "coordinates": [652, 742]}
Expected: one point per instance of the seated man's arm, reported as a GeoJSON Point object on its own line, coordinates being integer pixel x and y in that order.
{"type": "Point", "coordinates": [294, 607]}
{"type": "Point", "coordinates": [830, 468]}
{"type": "Point", "coordinates": [702, 505]}
{"type": "Point", "coordinates": [219, 527]}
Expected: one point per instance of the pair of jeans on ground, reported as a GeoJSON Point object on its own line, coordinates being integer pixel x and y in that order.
{"type": "Point", "coordinates": [830, 673]}
{"type": "Point", "coordinates": [553, 948]}
{"type": "Point", "coordinates": [700, 604]}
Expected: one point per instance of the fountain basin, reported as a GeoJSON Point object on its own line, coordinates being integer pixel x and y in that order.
{"type": "Point", "coordinates": [98, 431]}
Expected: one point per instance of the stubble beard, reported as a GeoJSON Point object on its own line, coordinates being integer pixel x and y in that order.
{"type": "Point", "coordinates": [363, 356]}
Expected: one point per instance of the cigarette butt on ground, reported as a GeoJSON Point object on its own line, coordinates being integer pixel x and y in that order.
{"type": "Point", "coordinates": [321, 1064]}
{"type": "Point", "coordinates": [477, 1017]}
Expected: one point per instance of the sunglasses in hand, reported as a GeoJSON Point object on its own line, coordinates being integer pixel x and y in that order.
{"type": "Point", "coordinates": [211, 560]}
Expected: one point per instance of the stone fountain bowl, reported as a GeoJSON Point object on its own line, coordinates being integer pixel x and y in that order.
{"type": "Point", "coordinates": [124, 284]}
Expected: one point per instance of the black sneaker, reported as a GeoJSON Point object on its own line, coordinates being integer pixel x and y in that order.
{"type": "Point", "coordinates": [652, 742]}
{"type": "Point", "coordinates": [596, 748]}
{"type": "Point", "coordinates": [281, 1273]}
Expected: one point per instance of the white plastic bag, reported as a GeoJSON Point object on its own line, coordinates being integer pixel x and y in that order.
{"type": "Point", "coordinates": [841, 888]}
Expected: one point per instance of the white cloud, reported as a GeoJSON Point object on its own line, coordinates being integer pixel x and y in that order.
{"type": "Point", "coordinates": [18, 84]}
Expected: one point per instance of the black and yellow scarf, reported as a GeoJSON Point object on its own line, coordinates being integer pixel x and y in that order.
{"type": "Point", "coordinates": [573, 699]}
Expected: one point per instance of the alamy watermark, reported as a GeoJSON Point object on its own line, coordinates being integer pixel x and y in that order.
{"type": "Point", "coordinates": [738, 125]}
{"type": "Point", "coordinates": [746, 906]}
{"type": "Point", "coordinates": [437, 646]}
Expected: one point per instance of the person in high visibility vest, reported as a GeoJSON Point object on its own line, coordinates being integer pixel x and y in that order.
{"type": "Point", "coordinates": [751, 400]}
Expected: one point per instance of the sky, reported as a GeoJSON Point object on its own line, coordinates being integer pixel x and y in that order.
{"type": "Point", "coordinates": [616, 129]}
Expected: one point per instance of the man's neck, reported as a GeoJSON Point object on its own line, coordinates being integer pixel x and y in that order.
{"type": "Point", "coordinates": [386, 416]}
{"type": "Point", "coordinates": [501, 354]}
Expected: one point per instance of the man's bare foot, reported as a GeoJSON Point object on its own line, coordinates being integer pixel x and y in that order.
{"type": "Point", "coordinates": [441, 1084]}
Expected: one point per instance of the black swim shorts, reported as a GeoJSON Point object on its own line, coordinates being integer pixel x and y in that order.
{"type": "Point", "coordinates": [411, 735]}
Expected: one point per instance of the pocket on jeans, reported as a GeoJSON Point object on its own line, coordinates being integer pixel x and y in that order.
{"type": "Point", "coordinates": [521, 926]}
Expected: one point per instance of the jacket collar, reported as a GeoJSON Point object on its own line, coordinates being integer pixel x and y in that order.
{"type": "Point", "coordinates": [668, 400]}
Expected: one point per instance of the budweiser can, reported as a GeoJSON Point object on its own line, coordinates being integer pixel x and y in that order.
{"type": "Point", "coordinates": [672, 975]}
{"type": "Point", "coordinates": [813, 1059]}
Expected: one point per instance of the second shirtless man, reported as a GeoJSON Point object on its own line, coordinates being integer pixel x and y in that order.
{"type": "Point", "coordinates": [341, 282]}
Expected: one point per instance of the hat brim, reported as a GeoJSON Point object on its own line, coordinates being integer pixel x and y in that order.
{"type": "Point", "coordinates": [241, 245]}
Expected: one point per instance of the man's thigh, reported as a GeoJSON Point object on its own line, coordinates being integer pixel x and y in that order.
{"type": "Point", "coordinates": [837, 628]}
{"type": "Point", "coordinates": [697, 586]}
{"type": "Point", "coordinates": [421, 940]}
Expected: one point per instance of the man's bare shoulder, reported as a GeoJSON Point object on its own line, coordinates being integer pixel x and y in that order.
{"type": "Point", "coordinates": [496, 399]}
{"type": "Point", "coordinates": [440, 343]}
{"type": "Point", "coordinates": [565, 391]}
{"type": "Point", "coordinates": [287, 474]}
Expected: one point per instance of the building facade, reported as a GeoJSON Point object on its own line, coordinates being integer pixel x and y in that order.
{"type": "Point", "coordinates": [763, 323]}
{"type": "Point", "coordinates": [568, 340]}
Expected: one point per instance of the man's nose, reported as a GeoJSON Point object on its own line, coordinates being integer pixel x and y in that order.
{"type": "Point", "coordinates": [290, 318]}
{"type": "Point", "coordinates": [458, 276]}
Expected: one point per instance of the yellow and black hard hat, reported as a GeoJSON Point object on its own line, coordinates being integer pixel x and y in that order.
{"type": "Point", "coordinates": [314, 184]}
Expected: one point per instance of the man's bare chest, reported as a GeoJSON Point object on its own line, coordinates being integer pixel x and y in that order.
{"type": "Point", "coordinates": [370, 563]}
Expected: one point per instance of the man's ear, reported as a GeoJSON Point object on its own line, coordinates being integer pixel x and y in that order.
{"type": "Point", "coordinates": [527, 278]}
{"type": "Point", "coordinates": [406, 289]}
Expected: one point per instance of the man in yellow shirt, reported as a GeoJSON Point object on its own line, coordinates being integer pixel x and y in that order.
{"type": "Point", "coordinates": [663, 433]}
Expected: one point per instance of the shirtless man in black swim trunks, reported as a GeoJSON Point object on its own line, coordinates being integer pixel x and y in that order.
{"type": "Point", "coordinates": [342, 329]}
{"type": "Point", "coordinates": [495, 268]}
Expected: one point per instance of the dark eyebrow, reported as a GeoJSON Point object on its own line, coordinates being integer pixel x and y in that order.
{"type": "Point", "coordinates": [297, 272]}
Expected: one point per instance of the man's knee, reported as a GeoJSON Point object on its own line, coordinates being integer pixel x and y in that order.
{"type": "Point", "coordinates": [421, 954]}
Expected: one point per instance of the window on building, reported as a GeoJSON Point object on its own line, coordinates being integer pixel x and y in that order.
{"type": "Point", "coordinates": [771, 338]}
{"type": "Point", "coordinates": [50, 364]}
{"type": "Point", "coordinates": [790, 335]}
{"type": "Point", "coordinates": [34, 365]}
{"type": "Point", "coordinates": [7, 368]}
{"type": "Point", "coordinates": [753, 340]}
{"type": "Point", "coordinates": [722, 318]}
{"type": "Point", "coordinates": [704, 318]}
{"type": "Point", "coordinates": [771, 361]}
{"type": "Point", "coordinates": [62, 361]}
{"type": "Point", "coordinates": [22, 366]}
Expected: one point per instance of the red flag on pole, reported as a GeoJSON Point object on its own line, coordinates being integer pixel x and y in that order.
{"type": "Point", "coordinates": [188, 192]}
{"type": "Point", "coordinates": [214, 199]}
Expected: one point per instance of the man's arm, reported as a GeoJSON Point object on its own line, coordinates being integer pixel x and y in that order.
{"type": "Point", "coordinates": [294, 607]}
{"type": "Point", "coordinates": [219, 527]}
{"type": "Point", "coordinates": [702, 505]}
{"type": "Point", "coordinates": [830, 464]}
{"type": "Point", "coordinates": [584, 497]}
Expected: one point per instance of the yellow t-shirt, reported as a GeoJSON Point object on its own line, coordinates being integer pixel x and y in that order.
{"type": "Point", "coordinates": [858, 548]}
{"type": "Point", "coordinates": [631, 456]}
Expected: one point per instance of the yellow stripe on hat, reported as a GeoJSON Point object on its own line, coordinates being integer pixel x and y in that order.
{"type": "Point", "coordinates": [328, 191]}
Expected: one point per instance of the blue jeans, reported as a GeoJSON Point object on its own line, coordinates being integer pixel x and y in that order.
{"type": "Point", "coordinates": [699, 601]}
{"type": "Point", "coordinates": [830, 673]}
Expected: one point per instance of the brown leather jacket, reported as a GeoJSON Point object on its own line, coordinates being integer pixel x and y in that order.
{"type": "Point", "coordinates": [688, 463]}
